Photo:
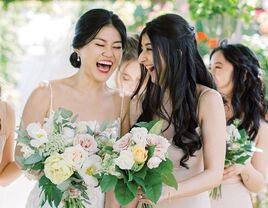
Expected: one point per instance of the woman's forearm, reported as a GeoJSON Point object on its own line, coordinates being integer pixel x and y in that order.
{"type": "Point", "coordinates": [9, 173]}
{"type": "Point", "coordinates": [252, 179]}
{"type": "Point", "coordinates": [200, 183]}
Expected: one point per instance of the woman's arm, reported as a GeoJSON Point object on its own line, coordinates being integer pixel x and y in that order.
{"type": "Point", "coordinates": [35, 109]}
{"type": "Point", "coordinates": [213, 130]}
{"type": "Point", "coordinates": [9, 170]}
{"type": "Point", "coordinates": [253, 174]}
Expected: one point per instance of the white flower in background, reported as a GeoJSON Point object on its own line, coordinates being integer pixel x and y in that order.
{"type": "Point", "coordinates": [68, 134]}
{"type": "Point", "coordinates": [91, 167]}
{"type": "Point", "coordinates": [139, 135]}
{"type": "Point", "coordinates": [125, 161]}
{"type": "Point", "coordinates": [75, 156]}
{"type": "Point", "coordinates": [161, 145]}
{"type": "Point", "coordinates": [38, 135]}
{"type": "Point", "coordinates": [87, 142]}
{"type": "Point", "coordinates": [26, 150]}
{"type": "Point", "coordinates": [154, 162]}
{"type": "Point", "coordinates": [233, 131]}
{"type": "Point", "coordinates": [123, 143]}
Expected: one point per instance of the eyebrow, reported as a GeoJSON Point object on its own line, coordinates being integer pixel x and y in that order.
{"type": "Point", "coordinates": [119, 41]}
{"type": "Point", "coordinates": [218, 62]}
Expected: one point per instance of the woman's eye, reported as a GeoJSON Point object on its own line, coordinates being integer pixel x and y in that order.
{"type": "Point", "coordinates": [117, 47]}
{"type": "Point", "coordinates": [99, 45]}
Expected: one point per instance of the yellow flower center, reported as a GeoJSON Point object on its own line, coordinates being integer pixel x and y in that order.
{"type": "Point", "coordinates": [91, 170]}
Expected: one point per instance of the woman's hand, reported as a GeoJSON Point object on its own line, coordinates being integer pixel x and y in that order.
{"type": "Point", "coordinates": [233, 170]}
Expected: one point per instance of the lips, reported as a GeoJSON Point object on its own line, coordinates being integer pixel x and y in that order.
{"type": "Point", "coordinates": [104, 66]}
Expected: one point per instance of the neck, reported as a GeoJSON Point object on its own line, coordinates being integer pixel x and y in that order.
{"type": "Point", "coordinates": [86, 84]}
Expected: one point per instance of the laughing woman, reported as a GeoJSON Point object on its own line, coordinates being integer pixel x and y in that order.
{"type": "Point", "coordinates": [100, 37]}
{"type": "Point", "coordinates": [180, 91]}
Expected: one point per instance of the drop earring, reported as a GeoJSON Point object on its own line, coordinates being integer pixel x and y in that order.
{"type": "Point", "coordinates": [78, 57]}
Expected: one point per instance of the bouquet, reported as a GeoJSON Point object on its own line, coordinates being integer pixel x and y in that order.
{"type": "Point", "coordinates": [63, 152]}
{"type": "Point", "coordinates": [238, 150]}
{"type": "Point", "coordinates": [137, 160]}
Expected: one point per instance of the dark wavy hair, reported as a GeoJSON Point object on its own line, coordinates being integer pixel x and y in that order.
{"type": "Point", "coordinates": [88, 26]}
{"type": "Point", "coordinates": [173, 41]}
{"type": "Point", "coordinates": [248, 100]}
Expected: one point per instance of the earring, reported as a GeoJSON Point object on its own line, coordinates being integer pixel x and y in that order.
{"type": "Point", "coordinates": [78, 57]}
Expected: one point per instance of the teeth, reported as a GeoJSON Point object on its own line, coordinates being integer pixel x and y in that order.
{"type": "Point", "coordinates": [105, 63]}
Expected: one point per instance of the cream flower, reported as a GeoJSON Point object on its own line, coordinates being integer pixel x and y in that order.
{"type": "Point", "coordinates": [87, 142]}
{"type": "Point", "coordinates": [139, 153]}
{"type": "Point", "coordinates": [38, 135]}
{"type": "Point", "coordinates": [75, 156]}
{"type": "Point", "coordinates": [57, 169]}
{"type": "Point", "coordinates": [91, 167]}
{"type": "Point", "coordinates": [154, 162]}
{"type": "Point", "coordinates": [68, 134]}
{"type": "Point", "coordinates": [125, 161]}
{"type": "Point", "coordinates": [139, 135]}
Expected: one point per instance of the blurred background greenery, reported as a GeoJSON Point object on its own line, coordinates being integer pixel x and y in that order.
{"type": "Point", "coordinates": [30, 30]}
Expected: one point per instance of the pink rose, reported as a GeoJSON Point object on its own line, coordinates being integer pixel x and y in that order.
{"type": "Point", "coordinates": [161, 143]}
{"type": "Point", "coordinates": [123, 143]}
{"type": "Point", "coordinates": [87, 142]}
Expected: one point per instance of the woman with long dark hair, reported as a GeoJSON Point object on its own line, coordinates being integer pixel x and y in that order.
{"type": "Point", "coordinates": [98, 43]}
{"type": "Point", "coordinates": [181, 91]}
{"type": "Point", "coordinates": [237, 73]}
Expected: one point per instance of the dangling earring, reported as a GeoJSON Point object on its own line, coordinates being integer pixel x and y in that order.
{"type": "Point", "coordinates": [78, 57]}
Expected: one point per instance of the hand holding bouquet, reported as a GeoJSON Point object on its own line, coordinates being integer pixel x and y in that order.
{"type": "Point", "coordinates": [138, 160]}
{"type": "Point", "coordinates": [239, 149]}
{"type": "Point", "coordinates": [64, 152]}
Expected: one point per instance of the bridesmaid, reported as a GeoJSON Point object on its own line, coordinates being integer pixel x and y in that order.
{"type": "Point", "coordinates": [99, 40]}
{"type": "Point", "coordinates": [180, 91]}
{"type": "Point", "coordinates": [237, 74]}
{"type": "Point", "coordinates": [9, 170]}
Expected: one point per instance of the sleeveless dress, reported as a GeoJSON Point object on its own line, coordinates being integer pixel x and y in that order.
{"type": "Point", "coordinates": [195, 164]}
{"type": "Point", "coordinates": [97, 198]}
{"type": "Point", "coordinates": [2, 128]}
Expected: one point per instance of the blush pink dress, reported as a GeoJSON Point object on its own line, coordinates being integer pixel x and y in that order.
{"type": "Point", "coordinates": [195, 164]}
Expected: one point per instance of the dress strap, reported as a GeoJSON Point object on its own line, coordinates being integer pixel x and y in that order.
{"type": "Point", "coordinates": [51, 98]}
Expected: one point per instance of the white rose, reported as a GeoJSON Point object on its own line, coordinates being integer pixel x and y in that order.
{"type": "Point", "coordinates": [86, 141]}
{"type": "Point", "coordinates": [139, 135]}
{"type": "Point", "coordinates": [38, 135]}
{"type": "Point", "coordinates": [126, 160]}
{"type": "Point", "coordinates": [154, 162]}
{"type": "Point", "coordinates": [91, 167]}
{"type": "Point", "coordinates": [75, 156]}
{"type": "Point", "coordinates": [123, 143]}
{"type": "Point", "coordinates": [81, 127]}
{"type": "Point", "coordinates": [236, 134]}
{"type": "Point", "coordinates": [68, 134]}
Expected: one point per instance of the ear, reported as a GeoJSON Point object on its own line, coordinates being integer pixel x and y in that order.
{"type": "Point", "coordinates": [77, 51]}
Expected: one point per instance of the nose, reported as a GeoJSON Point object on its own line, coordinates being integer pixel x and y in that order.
{"type": "Point", "coordinates": [141, 58]}
{"type": "Point", "coordinates": [108, 52]}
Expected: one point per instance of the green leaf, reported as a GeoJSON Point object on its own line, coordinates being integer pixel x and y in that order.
{"type": "Point", "coordinates": [142, 173]}
{"type": "Point", "coordinates": [89, 131]}
{"type": "Point", "coordinates": [22, 133]}
{"type": "Point", "coordinates": [151, 151]}
{"type": "Point", "coordinates": [38, 166]}
{"type": "Point", "coordinates": [153, 182]}
{"type": "Point", "coordinates": [108, 182]}
{"type": "Point", "coordinates": [157, 127]}
{"type": "Point", "coordinates": [169, 179]}
{"type": "Point", "coordinates": [24, 140]}
{"type": "Point", "coordinates": [73, 120]}
{"type": "Point", "coordinates": [57, 195]}
{"type": "Point", "coordinates": [166, 166]}
{"type": "Point", "coordinates": [65, 113]}
{"type": "Point", "coordinates": [242, 159]}
{"type": "Point", "coordinates": [122, 193]}
{"type": "Point", "coordinates": [140, 182]}
{"type": "Point", "coordinates": [133, 187]}
{"type": "Point", "coordinates": [33, 159]}
{"type": "Point", "coordinates": [147, 125]}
